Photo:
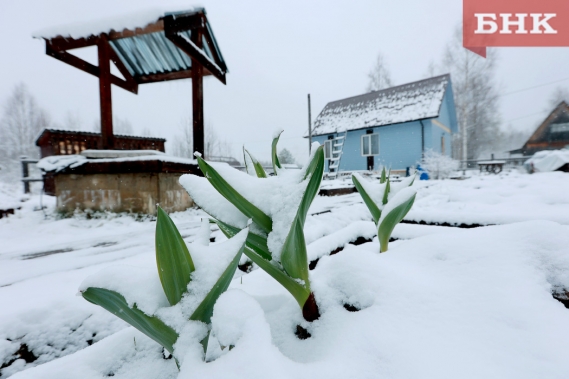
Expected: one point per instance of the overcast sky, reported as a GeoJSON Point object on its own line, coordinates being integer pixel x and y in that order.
{"type": "Point", "coordinates": [277, 52]}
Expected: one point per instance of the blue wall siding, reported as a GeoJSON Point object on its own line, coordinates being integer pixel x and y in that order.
{"type": "Point", "coordinates": [447, 117]}
{"type": "Point", "coordinates": [399, 147]}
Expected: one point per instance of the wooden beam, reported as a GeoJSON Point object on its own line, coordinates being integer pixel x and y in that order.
{"type": "Point", "coordinates": [173, 26]}
{"type": "Point", "coordinates": [197, 98]}
{"type": "Point", "coordinates": [197, 55]}
{"type": "Point", "coordinates": [123, 70]}
{"type": "Point", "coordinates": [79, 63]}
{"type": "Point", "coordinates": [209, 39]}
{"type": "Point", "coordinates": [103, 49]}
{"type": "Point", "coordinates": [162, 77]}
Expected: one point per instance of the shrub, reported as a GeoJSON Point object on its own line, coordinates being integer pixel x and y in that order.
{"type": "Point", "coordinates": [439, 166]}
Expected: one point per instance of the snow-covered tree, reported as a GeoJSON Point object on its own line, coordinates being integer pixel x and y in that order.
{"type": "Point", "coordinates": [21, 122]}
{"type": "Point", "coordinates": [379, 76]}
{"type": "Point", "coordinates": [439, 166]}
{"type": "Point", "coordinates": [476, 98]}
{"type": "Point", "coordinates": [286, 157]}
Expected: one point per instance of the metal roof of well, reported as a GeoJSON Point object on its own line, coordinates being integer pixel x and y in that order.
{"type": "Point", "coordinates": [159, 47]}
{"type": "Point", "coordinates": [407, 102]}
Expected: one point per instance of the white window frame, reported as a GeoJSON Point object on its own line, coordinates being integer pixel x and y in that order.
{"type": "Point", "coordinates": [328, 149]}
{"type": "Point", "coordinates": [368, 136]}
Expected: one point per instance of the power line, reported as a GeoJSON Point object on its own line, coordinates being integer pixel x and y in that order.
{"type": "Point", "coordinates": [533, 87]}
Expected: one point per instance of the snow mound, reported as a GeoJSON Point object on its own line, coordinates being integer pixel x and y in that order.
{"type": "Point", "coordinates": [545, 161]}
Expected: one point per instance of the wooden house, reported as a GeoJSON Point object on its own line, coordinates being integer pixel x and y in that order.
{"type": "Point", "coordinates": [391, 127]}
{"type": "Point", "coordinates": [551, 134]}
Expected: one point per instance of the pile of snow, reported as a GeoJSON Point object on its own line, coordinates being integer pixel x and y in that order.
{"type": "Point", "coordinates": [8, 201]}
{"type": "Point", "coordinates": [549, 160]}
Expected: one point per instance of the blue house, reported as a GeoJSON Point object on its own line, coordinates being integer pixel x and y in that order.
{"type": "Point", "coordinates": [392, 127]}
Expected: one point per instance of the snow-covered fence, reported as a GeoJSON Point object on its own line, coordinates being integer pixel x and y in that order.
{"type": "Point", "coordinates": [26, 173]}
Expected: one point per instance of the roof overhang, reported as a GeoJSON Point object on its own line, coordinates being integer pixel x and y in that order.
{"type": "Point", "coordinates": [158, 51]}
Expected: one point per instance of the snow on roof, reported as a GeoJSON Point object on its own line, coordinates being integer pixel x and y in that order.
{"type": "Point", "coordinates": [407, 102]}
{"type": "Point", "coordinates": [130, 21]}
{"type": "Point", "coordinates": [59, 162]}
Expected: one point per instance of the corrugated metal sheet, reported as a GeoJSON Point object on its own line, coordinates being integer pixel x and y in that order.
{"type": "Point", "coordinates": [154, 54]}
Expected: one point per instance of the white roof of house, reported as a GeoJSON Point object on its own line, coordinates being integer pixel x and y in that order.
{"type": "Point", "coordinates": [407, 102]}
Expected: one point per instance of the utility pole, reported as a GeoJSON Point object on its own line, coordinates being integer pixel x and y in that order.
{"type": "Point", "coordinates": [309, 127]}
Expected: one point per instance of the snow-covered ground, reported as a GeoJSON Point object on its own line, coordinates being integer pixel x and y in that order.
{"type": "Point", "coordinates": [441, 303]}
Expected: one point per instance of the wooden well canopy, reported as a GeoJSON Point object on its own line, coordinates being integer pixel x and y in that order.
{"type": "Point", "coordinates": [177, 45]}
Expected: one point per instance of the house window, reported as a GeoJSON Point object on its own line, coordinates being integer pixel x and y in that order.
{"type": "Point", "coordinates": [560, 128]}
{"type": "Point", "coordinates": [370, 145]}
{"type": "Point", "coordinates": [328, 149]}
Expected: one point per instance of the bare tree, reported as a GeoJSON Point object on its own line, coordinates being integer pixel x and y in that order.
{"type": "Point", "coordinates": [183, 142]}
{"type": "Point", "coordinates": [21, 123]}
{"type": "Point", "coordinates": [286, 157]}
{"type": "Point", "coordinates": [476, 99]}
{"type": "Point", "coordinates": [214, 145]}
{"type": "Point", "coordinates": [379, 76]}
{"type": "Point", "coordinates": [121, 126]}
{"type": "Point", "coordinates": [559, 94]}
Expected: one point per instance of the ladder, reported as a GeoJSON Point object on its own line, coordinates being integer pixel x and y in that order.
{"type": "Point", "coordinates": [337, 151]}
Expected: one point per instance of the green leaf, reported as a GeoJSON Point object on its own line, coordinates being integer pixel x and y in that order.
{"type": "Point", "coordinates": [204, 311]}
{"type": "Point", "coordinates": [257, 166]}
{"type": "Point", "coordinates": [392, 218]}
{"type": "Point", "coordinates": [172, 258]}
{"type": "Point", "coordinates": [298, 291]}
{"type": "Point", "coordinates": [386, 192]}
{"type": "Point", "coordinates": [254, 241]}
{"type": "Point", "coordinates": [383, 178]}
{"type": "Point", "coordinates": [116, 304]}
{"type": "Point", "coordinates": [235, 198]}
{"type": "Point", "coordinates": [294, 256]}
{"type": "Point", "coordinates": [373, 209]}
{"type": "Point", "coordinates": [275, 158]}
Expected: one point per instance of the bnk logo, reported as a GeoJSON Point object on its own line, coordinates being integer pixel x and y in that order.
{"type": "Point", "coordinates": [487, 23]}
{"type": "Point", "coordinates": [514, 23]}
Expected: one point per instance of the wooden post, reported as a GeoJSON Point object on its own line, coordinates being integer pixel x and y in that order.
{"type": "Point", "coordinates": [105, 93]}
{"type": "Point", "coordinates": [197, 97]}
{"type": "Point", "coordinates": [25, 173]}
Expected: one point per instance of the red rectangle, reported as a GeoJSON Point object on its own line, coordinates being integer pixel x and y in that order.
{"type": "Point", "coordinates": [514, 23]}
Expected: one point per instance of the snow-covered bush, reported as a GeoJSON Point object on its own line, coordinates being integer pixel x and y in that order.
{"type": "Point", "coordinates": [439, 166]}
{"type": "Point", "coordinates": [276, 208]}
{"type": "Point", "coordinates": [187, 290]}
{"type": "Point", "coordinates": [388, 202]}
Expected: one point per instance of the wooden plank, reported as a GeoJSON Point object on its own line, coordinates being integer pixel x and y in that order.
{"type": "Point", "coordinates": [79, 63]}
{"type": "Point", "coordinates": [154, 27]}
{"type": "Point", "coordinates": [197, 98]}
{"type": "Point", "coordinates": [63, 43]}
{"type": "Point", "coordinates": [103, 48]}
{"type": "Point", "coordinates": [151, 78]}
{"type": "Point", "coordinates": [442, 126]}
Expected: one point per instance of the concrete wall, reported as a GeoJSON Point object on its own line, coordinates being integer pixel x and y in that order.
{"type": "Point", "coordinates": [135, 192]}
